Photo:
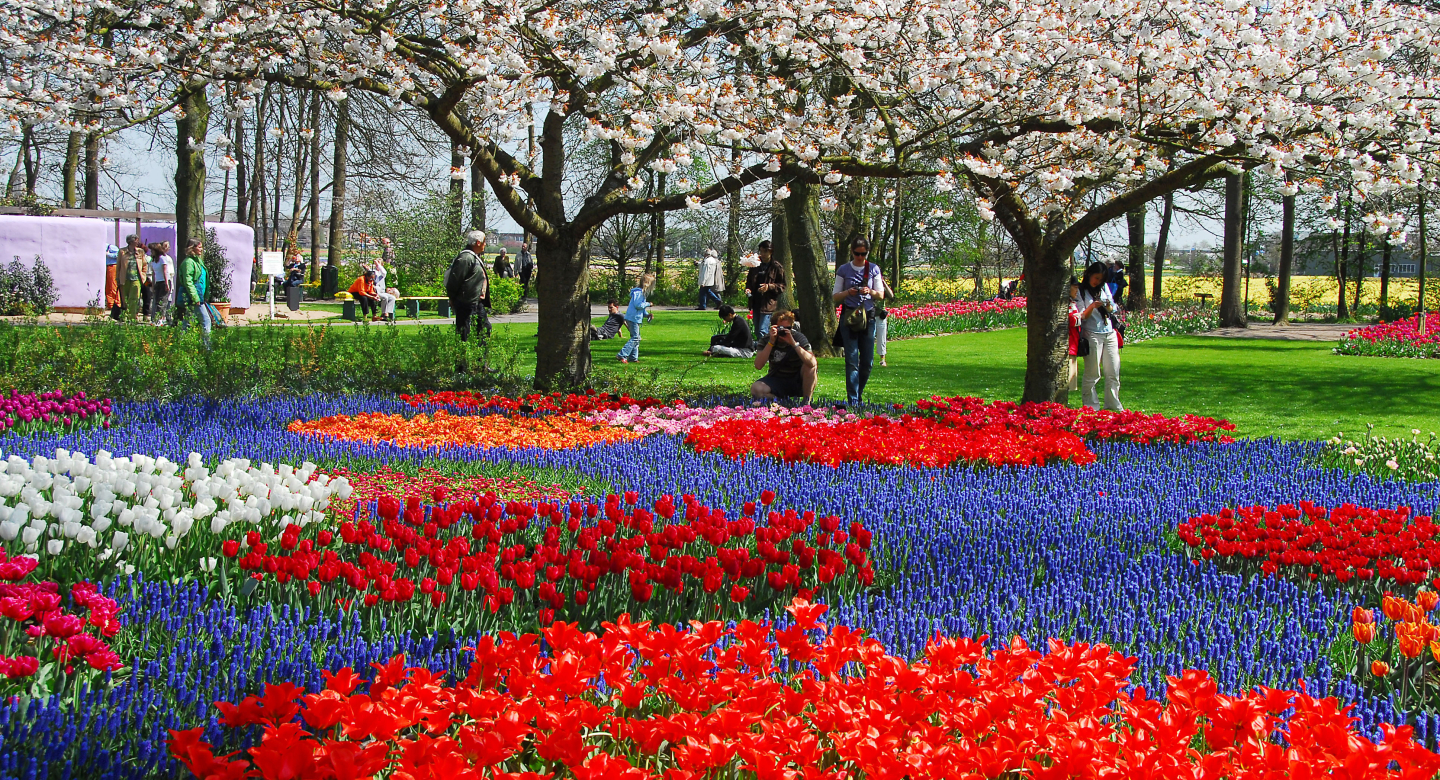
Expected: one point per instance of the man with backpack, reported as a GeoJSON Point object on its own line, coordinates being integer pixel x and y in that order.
{"type": "Point", "coordinates": [467, 285]}
{"type": "Point", "coordinates": [858, 285]}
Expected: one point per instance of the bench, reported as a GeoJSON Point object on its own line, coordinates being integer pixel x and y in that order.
{"type": "Point", "coordinates": [412, 304]}
{"type": "Point", "coordinates": [1204, 297]}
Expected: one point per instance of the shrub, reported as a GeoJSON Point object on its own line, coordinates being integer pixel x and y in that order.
{"type": "Point", "coordinates": [217, 269]}
{"type": "Point", "coordinates": [26, 290]}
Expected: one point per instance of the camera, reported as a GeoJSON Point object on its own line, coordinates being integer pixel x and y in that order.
{"type": "Point", "coordinates": [782, 331]}
{"type": "Point", "coordinates": [1104, 309]}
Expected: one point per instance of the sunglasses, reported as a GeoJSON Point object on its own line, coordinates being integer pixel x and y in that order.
{"type": "Point", "coordinates": [861, 252]}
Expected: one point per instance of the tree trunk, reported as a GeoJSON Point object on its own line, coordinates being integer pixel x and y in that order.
{"type": "Point", "coordinates": [315, 189]}
{"type": "Point", "coordinates": [780, 252]}
{"type": "Point", "coordinates": [302, 153]}
{"type": "Point", "coordinates": [1157, 287]}
{"type": "Point", "coordinates": [562, 356]}
{"type": "Point", "coordinates": [1135, 222]}
{"type": "Point", "coordinates": [12, 186]}
{"type": "Point", "coordinates": [1424, 253]}
{"type": "Point", "coordinates": [225, 186]}
{"type": "Point", "coordinates": [92, 171]}
{"type": "Point", "coordinates": [896, 251]}
{"type": "Point", "coordinates": [1287, 260]}
{"type": "Point", "coordinates": [477, 197]}
{"type": "Point", "coordinates": [32, 164]}
{"type": "Point", "coordinates": [256, 208]}
{"type": "Point", "coordinates": [732, 228]}
{"type": "Point", "coordinates": [457, 189]}
{"type": "Point", "coordinates": [660, 235]}
{"type": "Point", "coordinates": [190, 167]}
{"type": "Point", "coordinates": [337, 183]}
{"type": "Point", "coordinates": [1232, 309]}
{"type": "Point", "coordinates": [1385, 275]}
{"type": "Point", "coordinates": [810, 278]}
{"type": "Point", "coordinates": [242, 174]}
{"type": "Point", "coordinates": [1360, 249]}
{"type": "Point", "coordinates": [1047, 302]}
{"type": "Point", "coordinates": [1342, 311]}
{"type": "Point", "coordinates": [72, 166]}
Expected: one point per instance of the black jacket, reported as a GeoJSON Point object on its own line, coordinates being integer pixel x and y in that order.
{"type": "Point", "coordinates": [467, 280]}
{"type": "Point", "coordinates": [738, 337]}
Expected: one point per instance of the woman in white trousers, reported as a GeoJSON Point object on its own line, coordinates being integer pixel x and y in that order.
{"type": "Point", "coordinates": [1104, 342]}
{"type": "Point", "coordinates": [387, 298]}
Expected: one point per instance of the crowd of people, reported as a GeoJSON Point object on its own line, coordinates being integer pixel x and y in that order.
{"type": "Point", "coordinates": [143, 284]}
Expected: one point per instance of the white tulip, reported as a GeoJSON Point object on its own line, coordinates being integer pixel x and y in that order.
{"type": "Point", "coordinates": [119, 541]}
{"type": "Point", "coordinates": [30, 536]}
{"type": "Point", "coordinates": [55, 546]}
{"type": "Point", "coordinates": [8, 531]}
{"type": "Point", "coordinates": [100, 524]}
{"type": "Point", "coordinates": [86, 536]}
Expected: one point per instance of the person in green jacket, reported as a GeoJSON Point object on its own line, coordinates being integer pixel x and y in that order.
{"type": "Point", "coordinates": [468, 286]}
{"type": "Point", "coordinates": [192, 286]}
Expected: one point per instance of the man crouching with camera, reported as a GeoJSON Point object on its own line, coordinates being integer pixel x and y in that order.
{"type": "Point", "coordinates": [793, 368]}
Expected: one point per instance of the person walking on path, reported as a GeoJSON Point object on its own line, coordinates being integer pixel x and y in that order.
{"type": "Point", "coordinates": [764, 284]}
{"type": "Point", "coordinates": [858, 286]}
{"type": "Point", "coordinates": [634, 314]}
{"type": "Point", "coordinates": [162, 281]}
{"type": "Point", "coordinates": [112, 285]}
{"type": "Point", "coordinates": [468, 287]}
{"type": "Point", "coordinates": [130, 270]}
{"type": "Point", "coordinates": [1097, 328]}
{"type": "Point", "coordinates": [192, 288]}
{"type": "Point", "coordinates": [503, 269]}
{"type": "Point", "coordinates": [710, 279]}
{"type": "Point", "coordinates": [526, 269]}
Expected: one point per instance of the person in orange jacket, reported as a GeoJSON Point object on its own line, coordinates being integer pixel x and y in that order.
{"type": "Point", "coordinates": [364, 291]}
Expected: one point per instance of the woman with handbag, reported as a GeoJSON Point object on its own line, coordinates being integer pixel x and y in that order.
{"type": "Point", "coordinates": [858, 285]}
{"type": "Point", "coordinates": [1098, 328]}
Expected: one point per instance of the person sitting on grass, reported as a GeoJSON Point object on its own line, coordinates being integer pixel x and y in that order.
{"type": "Point", "coordinates": [613, 323]}
{"type": "Point", "coordinates": [793, 368]}
{"type": "Point", "coordinates": [364, 291]}
{"type": "Point", "coordinates": [734, 342]}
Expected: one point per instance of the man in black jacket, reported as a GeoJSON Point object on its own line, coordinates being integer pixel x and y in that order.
{"type": "Point", "coordinates": [468, 286]}
{"type": "Point", "coordinates": [734, 342]}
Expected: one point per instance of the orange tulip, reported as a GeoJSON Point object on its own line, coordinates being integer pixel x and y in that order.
{"type": "Point", "coordinates": [1435, 651]}
{"type": "Point", "coordinates": [1364, 632]}
{"type": "Point", "coordinates": [446, 430]}
{"type": "Point", "coordinates": [1379, 668]}
{"type": "Point", "coordinates": [1361, 615]}
{"type": "Point", "coordinates": [1427, 599]}
{"type": "Point", "coordinates": [1392, 607]}
{"type": "Point", "coordinates": [1411, 646]}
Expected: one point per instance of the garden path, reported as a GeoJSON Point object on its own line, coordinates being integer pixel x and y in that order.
{"type": "Point", "coordinates": [1309, 331]}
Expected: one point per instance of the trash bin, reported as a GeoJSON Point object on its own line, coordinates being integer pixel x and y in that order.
{"type": "Point", "coordinates": [293, 296]}
{"type": "Point", "coordinates": [412, 308]}
{"type": "Point", "coordinates": [348, 310]}
{"type": "Point", "coordinates": [444, 308]}
{"type": "Point", "coordinates": [329, 281]}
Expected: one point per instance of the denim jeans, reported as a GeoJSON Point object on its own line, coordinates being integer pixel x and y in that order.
{"type": "Point", "coordinates": [202, 313]}
{"type": "Point", "coordinates": [859, 354]}
{"type": "Point", "coordinates": [708, 294]}
{"type": "Point", "coordinates": [762, 327]}
{"type": "Point", "coordinates": [631, 350]}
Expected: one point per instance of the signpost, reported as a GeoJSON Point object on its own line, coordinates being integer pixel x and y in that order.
{"type": "Point", "coordinates": [272, 264]}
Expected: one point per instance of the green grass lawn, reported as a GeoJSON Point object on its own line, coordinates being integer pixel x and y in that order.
{"type": "Point", "coordinates": [1294, 390]}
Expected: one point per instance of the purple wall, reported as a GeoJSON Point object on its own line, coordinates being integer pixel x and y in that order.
{"type": "Point", "coordinates": [72, 247]}
{"type": "Point", "coordinates": [239, 244]}
{"type": "Point", "coordinates": [74, 250]}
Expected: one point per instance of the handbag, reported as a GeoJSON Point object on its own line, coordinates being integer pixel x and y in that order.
{"type": "Point", "coordinates": [1119, 331]}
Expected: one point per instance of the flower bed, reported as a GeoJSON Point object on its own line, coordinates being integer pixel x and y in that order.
{"type": "Point", "coordinates": [1400, 338]}
{"type": "Point", "coordinates": [1414, 460]}
{"type": "Point", "coordinates": [1346, 544]}
{"type": "Point", "coordinates": [443, 429]}
{"type": "Point", "coordinates": [910, 320]}
{"type": "Point", "coordinates": [1129, 425]}
{"type": "Point", "coordinates": [543, 562]}
{"type": "Point", "coordinates": [667, 708]}
{"type": "Point", "coordinates": [681, 418]}
{"type": "Point", "coordinates": [554, 403]}
{"type": "Point", "coordinates": [1084, 554]}
{"type": "Point", "coordinates": [1156, 323]}
{"type": "Point", "coordinates": [909, 441]}
{"type": "Point", "coordinates": [384, 481]}
{"type": "Point", "coordinates": [52, 412]}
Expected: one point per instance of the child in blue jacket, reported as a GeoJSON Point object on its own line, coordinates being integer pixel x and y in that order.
{"type": "Point", "coordinates": [630, 353]}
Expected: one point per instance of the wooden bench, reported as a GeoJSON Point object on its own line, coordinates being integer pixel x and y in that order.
{"type": "Point", "coordinates": [1204, 297]}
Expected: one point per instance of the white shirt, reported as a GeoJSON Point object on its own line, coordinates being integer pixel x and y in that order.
{"type": "Point", "coordinates": [1096, 322]}
{"type": "Point", "coordinates": [379, 278]}
{"type": "Point", "coordinates": [163, 270]}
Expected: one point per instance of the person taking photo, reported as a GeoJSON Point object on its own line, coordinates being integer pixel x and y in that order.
{"type": "Point", "coordinates": [1097, 327]}
{"type": "Point", "coordinates": [793, 368]}
{"type": "Point", "coordinates": [858, 285]}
